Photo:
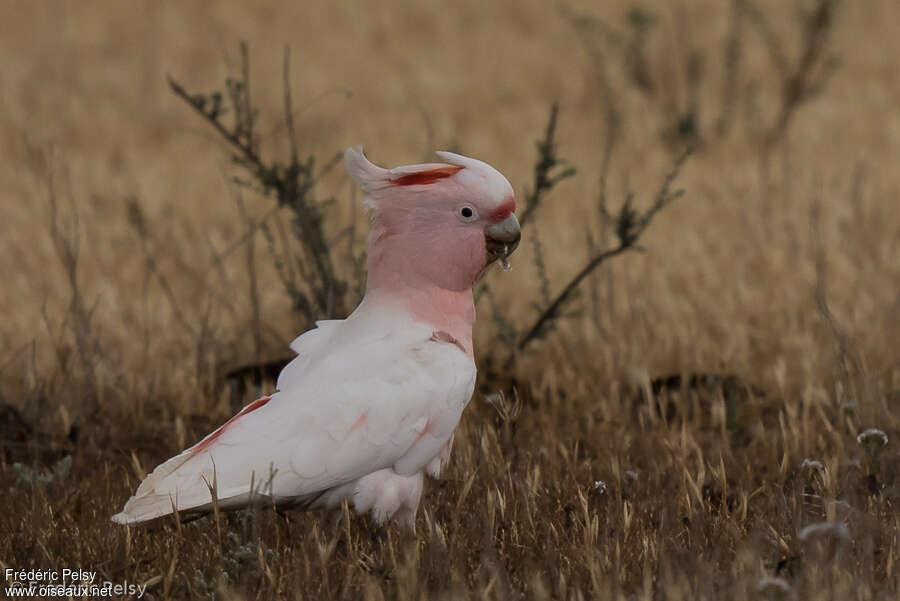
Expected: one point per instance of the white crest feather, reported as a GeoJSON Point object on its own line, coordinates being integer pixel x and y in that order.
{"type": "Point", "coordinates": [480, 174]}
{"type": "Point", "coordinates": [368, 175]}
{"type": "Point", "coordinates": [460, 160]}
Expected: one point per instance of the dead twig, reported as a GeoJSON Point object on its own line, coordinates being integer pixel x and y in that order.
{"type": "Point", "coordinates": [548, 161]}
{"type": "Point", "coordinates": [66, 236]}
{"type": "Point", "coordinates": [851, 361]}
{"type": "Point", "coordinates": [292, 183]}
{"type": "Point", "coordinates": [628, 225]}
{"type": "Point", "coordinates": [809, 75]}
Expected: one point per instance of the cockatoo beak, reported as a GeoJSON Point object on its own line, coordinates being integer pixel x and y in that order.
{"type": "Point", "coordinates": [501, 239]}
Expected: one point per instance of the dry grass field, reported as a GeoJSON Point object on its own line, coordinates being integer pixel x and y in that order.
{"type": "Point", "coordinates": [688, 429]}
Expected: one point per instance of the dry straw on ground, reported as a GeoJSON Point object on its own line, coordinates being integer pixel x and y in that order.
{"type": "Point", "coordinates": [697, 424]}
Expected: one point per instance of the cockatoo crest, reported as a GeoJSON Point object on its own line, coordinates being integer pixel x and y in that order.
{"type": "Point", "coordinates": [466, 174]}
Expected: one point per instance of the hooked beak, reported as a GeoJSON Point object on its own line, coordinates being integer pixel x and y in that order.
{"type": "Point", "coordinates": [502, 238]}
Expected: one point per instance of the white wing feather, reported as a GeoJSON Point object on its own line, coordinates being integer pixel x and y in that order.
{"type": "Point", "coordinates": [380, 397]}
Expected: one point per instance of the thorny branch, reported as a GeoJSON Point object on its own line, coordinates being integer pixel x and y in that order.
{"type": "Point", "coordinates": [291, 183]}
{"type": "Point", "coordinates": [628, 225]}
{"type": "Point", "coordinates": [809, 74]}
{"type": "Point", "coordinates": [799, 79]}
{"type": "Point", "coordinates": [548, 160]}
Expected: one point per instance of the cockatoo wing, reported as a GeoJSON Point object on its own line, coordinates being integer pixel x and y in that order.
{"type": "Point", "coordinates": [308, 346]}
{"type": "Point", "coordinates": [389, 399]}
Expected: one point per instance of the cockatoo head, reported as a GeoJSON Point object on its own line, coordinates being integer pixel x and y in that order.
{"type": "Point", "coordinates": [442, 223]}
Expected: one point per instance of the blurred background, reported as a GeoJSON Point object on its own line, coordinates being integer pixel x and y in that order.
{"type": "Point", "coordinates": [727, 276]}
{"type": "Point", "coordinates": [137, 276]}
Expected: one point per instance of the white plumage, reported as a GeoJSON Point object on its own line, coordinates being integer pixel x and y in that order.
{"type": "Point", "coordinates": [330, 433]}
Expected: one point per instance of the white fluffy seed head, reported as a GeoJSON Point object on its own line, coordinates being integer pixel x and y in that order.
{"type": "Point", "coordinates": [837, 531]}
{"type": "Point", "coordinates": [872, 436]}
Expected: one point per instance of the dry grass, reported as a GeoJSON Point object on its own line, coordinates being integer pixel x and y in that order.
{"type": "Point", "coordinates": [653, 446]}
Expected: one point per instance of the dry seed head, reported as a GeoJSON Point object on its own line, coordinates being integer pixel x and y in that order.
{"type": "Point", "coordinates": [812, 464]}
{"type": "Point", "coordinates": [773, 588]}
{"type": "Point", "coordinates": [872, 436]}
{"type": "Point", "coordinates": [508, 410]}
{"type": "Point", "coordinates": [836, 531]}
{"type": "Point", "coordinates": [849, 405]}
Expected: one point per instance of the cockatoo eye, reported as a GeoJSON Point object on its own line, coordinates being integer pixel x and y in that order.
{"type": "Point", "coordinates": [467, 214]}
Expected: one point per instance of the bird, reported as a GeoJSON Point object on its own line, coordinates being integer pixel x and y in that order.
{"type": "Point", "coordinates": [369, 405]}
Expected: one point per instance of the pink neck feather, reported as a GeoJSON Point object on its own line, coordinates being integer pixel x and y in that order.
{"type": "Point", "coordinates": [430, 274]}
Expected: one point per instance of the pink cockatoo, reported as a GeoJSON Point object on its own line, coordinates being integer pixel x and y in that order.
{"type": "Point", "coordinates": [371, 402]}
